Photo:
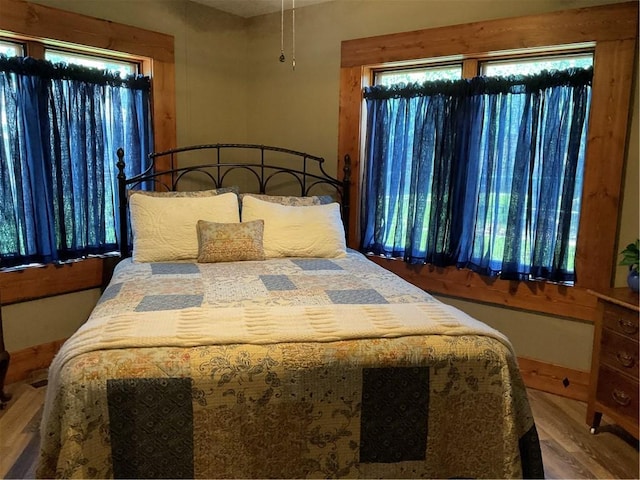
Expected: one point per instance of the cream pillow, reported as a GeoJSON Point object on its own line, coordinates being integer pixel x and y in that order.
{"type": "Point", "coordinates": [164, 228]}
{"type": "Point", "coordinates": [310, 231]}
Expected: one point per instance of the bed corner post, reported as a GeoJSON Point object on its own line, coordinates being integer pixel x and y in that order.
{"type": "Point", "coordinates": [122, 205]}
{"type": "Point", "coordinates": [346, 194]}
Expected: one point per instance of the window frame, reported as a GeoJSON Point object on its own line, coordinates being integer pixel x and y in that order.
{"type": "Point", "coordinates": [612, 31]}
{"type": "Point", "coordinates": [38, 25]}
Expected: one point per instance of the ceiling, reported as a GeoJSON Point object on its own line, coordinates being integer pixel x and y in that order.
{"type": "Point", "coordinates": [252, 8]}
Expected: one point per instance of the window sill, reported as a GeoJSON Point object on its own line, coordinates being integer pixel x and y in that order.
{"type": "Point", "coordinates": [38, 282]}
{"type": "Point", "coordinates": [546, 298]}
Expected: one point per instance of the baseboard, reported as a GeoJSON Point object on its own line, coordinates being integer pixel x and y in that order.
{"type": "Point", "coordinates": [24, 362]}
{"type": "Point", "coordinates": [547, 377]}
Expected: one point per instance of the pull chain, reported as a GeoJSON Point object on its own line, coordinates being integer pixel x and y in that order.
{"type": "Point", "coordinates": [282, 57]}
{"type": "Point", "coordinates": [293, 34]}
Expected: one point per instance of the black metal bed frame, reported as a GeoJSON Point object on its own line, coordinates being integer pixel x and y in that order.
{"type": "Point", "coordinates": [308, 172]}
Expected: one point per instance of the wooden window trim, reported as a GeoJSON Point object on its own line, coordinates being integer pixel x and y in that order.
{"type": "Point", "coordinates": [613, 29]}
{"type": "Point", "coordinates": [38, 22]}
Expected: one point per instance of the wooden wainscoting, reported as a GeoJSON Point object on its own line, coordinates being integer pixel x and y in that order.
{"type": "Point", "coordinates": [24, 362]}
{"type": "Point", "coordinates": [547, 377]}
{"type": "Point", "coordinates": [538, 375]}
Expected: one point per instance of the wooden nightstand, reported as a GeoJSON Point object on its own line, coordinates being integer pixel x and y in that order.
{"type": "Point", "coordinates": [613, 389]}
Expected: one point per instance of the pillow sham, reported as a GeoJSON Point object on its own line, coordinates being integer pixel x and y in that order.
{"type": "Point", "coordinates": [230, 242]}
{"type": "Point", "coordinates": [293, 231]}
{"type": "Point", "coordinates": [197, 193]}
{"type": "Point", "coordinates": [291, 200]}
{"type": "Point", "coordinates": [164, 228]}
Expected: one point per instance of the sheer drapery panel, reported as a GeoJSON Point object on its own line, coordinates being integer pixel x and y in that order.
{"type": "Point", "coordinates": [60, 126]}
{"type": "Point", "coordinates": [484, 174]}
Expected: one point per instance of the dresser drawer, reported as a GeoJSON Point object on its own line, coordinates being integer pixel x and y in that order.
{"type": "Point", "coordinates": [619, 352]}
{"type": "Point", "coordinates": [621, 320]}
{"type": "Point", "coordinates": [618, 392]}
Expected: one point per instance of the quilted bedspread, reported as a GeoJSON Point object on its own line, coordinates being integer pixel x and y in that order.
{"type": "Point", "coordinates": [283, 368]}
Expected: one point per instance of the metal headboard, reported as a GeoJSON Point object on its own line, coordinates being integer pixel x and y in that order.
{"type": "Point", "coordinates": [305, 172]}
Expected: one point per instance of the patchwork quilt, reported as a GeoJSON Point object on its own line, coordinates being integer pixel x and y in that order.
{"type": "Point", "coordinates": [284, 368]}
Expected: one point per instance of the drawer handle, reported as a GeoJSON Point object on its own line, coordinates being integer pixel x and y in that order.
{"type": "Point", "coordinates": [627, 327]}
{"type": "Point", "coordinates": [625, 359]}
{"type": "Point", "coordinates": [620, 397]}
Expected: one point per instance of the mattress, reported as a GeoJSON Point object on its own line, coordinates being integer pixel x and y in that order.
{"type": "Point", "coordinates": [283, 368]}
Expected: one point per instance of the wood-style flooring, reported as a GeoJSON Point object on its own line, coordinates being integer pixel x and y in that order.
{"type": "Point", "coordinates": [568, 449]}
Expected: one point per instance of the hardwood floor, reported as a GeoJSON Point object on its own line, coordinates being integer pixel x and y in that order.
{"type": "Point", "coordinates": [19, 427]}
{"type": "Point", "coordinates": [568, 449]}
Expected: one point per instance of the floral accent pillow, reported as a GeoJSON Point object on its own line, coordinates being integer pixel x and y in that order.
{"type": "Point", "coordinates": [230, 242]}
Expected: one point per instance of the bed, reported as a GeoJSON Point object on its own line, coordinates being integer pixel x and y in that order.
{"type": "Point", "coordinates": [268, 349]}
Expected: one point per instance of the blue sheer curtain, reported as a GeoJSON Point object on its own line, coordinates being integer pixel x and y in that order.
{"type": "Point", "coordinates": [484, 174]}
{"type": "Point", "coordinates": [60, 127]}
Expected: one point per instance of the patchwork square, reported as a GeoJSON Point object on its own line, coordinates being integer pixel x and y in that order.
{"type": "Point", "coordinates": [532, 464]}
{"type": "Point", "coordinates": [277, 282]}
{"type": "Point", "coordinates": [316, 264]}
{"type": "Point", "coordinates": [110, 292]}
{"type": "Point", "coordinates": [151, 427]}
{"type": "Point", "coordinates": [174, 268]}
{"type": "Point", "coordinates": [356, 297]}
{"type": "Point", "coordinates": [154, 303]}
{"type": "Point", "coordinates": [394, 419]}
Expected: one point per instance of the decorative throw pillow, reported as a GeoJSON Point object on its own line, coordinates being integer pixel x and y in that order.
{"type": "Point", "coordinates": [164, 228]}
{"type": "Point", "coordinates": [311, 231]}
{"type": "Point", "coordinates": [230, 242]}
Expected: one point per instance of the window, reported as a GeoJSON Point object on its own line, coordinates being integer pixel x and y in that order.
{"type": "Point", "coordinates": [481, 174]}
{"type": "Point", "coordinates": [536, 64]}
{"type": "Point", "coordinates": [610, 31]}
{"type": "Point", "coordinates": [10, 49]}
{"type": "Point", "coordinates": [124, 69]}
{"type": "Point", "coordinates": [418, 75]}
